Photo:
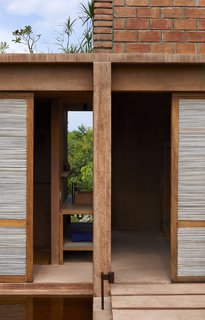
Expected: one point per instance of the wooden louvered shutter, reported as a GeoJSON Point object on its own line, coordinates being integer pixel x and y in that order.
{"type": "Point", "coordinates": [16, 187]}
{"type": "Point", "coordinates": [188, 188]}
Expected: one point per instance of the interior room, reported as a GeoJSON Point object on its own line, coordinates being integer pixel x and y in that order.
{"type": "Point", "coordinates": [141, 137]}
{"type": "Point", "coordinates": [74, 255]}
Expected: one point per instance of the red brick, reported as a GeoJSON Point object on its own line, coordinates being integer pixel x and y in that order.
{"type": "Point", "coordinates": [194, 12]}
{"type": "Point", "coordinates": [161, 24]}
{"type": "Point", "coordinates": [103, 44]}
{"type": "Point", "coordinates": [119, 47]}
{"type": "Point", "coordinates": [186, 48]}
{"type": "Point", "coordinates": [172, 12]}
{"type": "Point", "coordinates": [100, 17]}
{"type": "Point", "coordinates": [184, 3]}
{"type": "Point", "coordinates": [162, 48]}
{"type": "Point", "coordinates": [161, 3]}
{"type": "Point", "coordinates": [119, 23]}
{"type": "Point", "coordinates": [139, 47]}
{"type": "Point", "coordinates": [201, 48]}
{"type": "Point", "coordinates": [173, 36]}
{"type": "Point", "coordinates": [101, 37]}
{"type": "Point", "coordinates": [103, 11]}
{"type": "Point", "coordinates": [103, 4]}
{"type": "Point", "coordinates": [137, 23]}
{"type": "Point", "coordinates": [135, 3]}
{"type": "Point", "coordinates": [102, 30]}
{"type": "Point", "coordinates": [201, 24]}
{"type": "Point", "coordinates": [186, 24]}
{"type": "Point", "coordinates": [149, 36]}
{"type": "Point", "coordinates": [102, 50]}
{"type": "Point", "coordinates": [198, 36]}
{"type": "Point", "coordinates": [119, 2]}
{"type": "Point", "coordinates": [201, 2]}
{"type": "Point", "coordinates": [102, 23]}
{"type": "Point", "coordinates": [126, 36]}
{"type": "Point", "coordinates": [148, 12]}
{"type": "Point", "coordinates": [125, 12]}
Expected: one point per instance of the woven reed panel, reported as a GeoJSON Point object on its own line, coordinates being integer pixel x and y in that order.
{"type": "Point", "coordinates": [191, 166]}
{"type": "Point", "coordinates": [191, 252]}
{"type": "Point", "coordinates": [13, 131]}
{"type": "Point", "coordinates": [12, 251]}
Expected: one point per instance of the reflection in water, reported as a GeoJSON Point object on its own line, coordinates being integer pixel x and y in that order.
{"type": "Point", "coordinates": [52, 308]}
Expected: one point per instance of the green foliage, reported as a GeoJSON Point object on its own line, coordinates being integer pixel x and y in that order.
{"type": "Point", "coordinates": [85, 43]}
{"type": "Point", "coordinates": [3, 47]}
{"type": "Point", "coordinates": [26, 37]}
{"type": "Point", "coordinates": [80, 157]}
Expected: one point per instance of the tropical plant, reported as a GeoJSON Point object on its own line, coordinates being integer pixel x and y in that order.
{"type": "Point", "coordinates": [27, 37]}
{"type": "Point", "coordinates": [3, 47]}
{"type": "Point", "coordinates": [63, 39]}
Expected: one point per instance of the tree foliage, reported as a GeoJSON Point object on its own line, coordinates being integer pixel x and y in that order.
{"type": "Point", "coordinates": [3, 47]}
{"type": "Point", "coordinates": [80, 157]}
{"type": "Point", "coordinates": [27, 37]}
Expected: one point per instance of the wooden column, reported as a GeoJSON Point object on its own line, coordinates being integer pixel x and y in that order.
{"type": "Point", "coordinates": [55, 180]}
{"type": "Point", "coordinates": [102, 173]}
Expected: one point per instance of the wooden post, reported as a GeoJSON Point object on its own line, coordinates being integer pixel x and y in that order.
{"type": "Point", "coordinates": [102, 173]}
{"type": "Point", "coordinates": [55, 181]}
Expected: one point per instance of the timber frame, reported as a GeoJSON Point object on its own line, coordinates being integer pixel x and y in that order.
{"type": "Point", "coordinates": [102, 74]}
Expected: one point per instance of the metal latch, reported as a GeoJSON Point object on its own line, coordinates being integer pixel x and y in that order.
{"type": "Point", "coordinates": [110, 277]}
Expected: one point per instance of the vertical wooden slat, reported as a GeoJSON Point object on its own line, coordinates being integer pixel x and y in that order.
{"type": "Point", "coordinates": [55, 180]}
{"type": "Point", "coordinates": [102, 173]}
{"type": "Point", "coordinates": [174, 186]}
{"type": "Point", "coordinates": [29, 196]}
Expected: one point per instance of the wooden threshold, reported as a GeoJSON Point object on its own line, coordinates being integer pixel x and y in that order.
{"type": "Point", "coordinates": [46, 289]}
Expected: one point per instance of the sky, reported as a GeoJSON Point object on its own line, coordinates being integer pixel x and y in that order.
{"type": "Point", "coordinates": [45, 16]}
{"type": "Point", "coordinates": [77, 118]}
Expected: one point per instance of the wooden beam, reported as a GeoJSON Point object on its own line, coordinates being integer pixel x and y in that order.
{"type": "Point", "coordinates": [174, 185]}
{"type": "Point", "coordinates": [102, 173]}
{"type": "Point", "coordinates": [190, 224]}
{"type": "Point", "coordinates": [13, 223]}
{"type": "Point", "coordinates": [55, 180]}
{"type": "Point", "coordinates": [161, 78]}
{"type": "Point", "coordinates": [58, 77]}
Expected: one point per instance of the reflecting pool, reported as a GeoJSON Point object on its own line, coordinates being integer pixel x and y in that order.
{"type": "Point", "coordinates": [46, 308]}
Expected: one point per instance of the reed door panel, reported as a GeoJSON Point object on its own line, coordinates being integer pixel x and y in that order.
{"type": "Point", "coordinates": [16, 187]}
{"type": "Point", "coordinates": [188, 188]}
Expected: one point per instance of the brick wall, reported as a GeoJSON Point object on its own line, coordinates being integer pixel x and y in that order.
{"type": "Point", "coordinates": [150, 26]}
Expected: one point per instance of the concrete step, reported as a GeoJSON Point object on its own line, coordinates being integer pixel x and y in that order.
{"type": "Point", "coordinates": [159, 302]}
{"type": "Point", "coordinates": [158, 289]}
{"type": "Point", "coordinates": [158, 314]}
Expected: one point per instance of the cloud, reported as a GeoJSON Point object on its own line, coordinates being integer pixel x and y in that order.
{"type": "Point", "coordinates": [46, 9]}
{"type": "Point", "coordinates": [45, 16]}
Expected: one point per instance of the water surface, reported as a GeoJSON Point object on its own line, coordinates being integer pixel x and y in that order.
{"type": "Point", "coordinates": [48, 308]}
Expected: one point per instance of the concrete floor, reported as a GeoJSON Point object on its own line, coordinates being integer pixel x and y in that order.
{"type": "Point", "coordinates": [77, 268]}
{"type": "Point", "coordinates": [140, 257]}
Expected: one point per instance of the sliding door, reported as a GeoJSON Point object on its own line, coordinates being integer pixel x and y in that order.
{"type": "Point", "coordinates": [188, 188]}
{"type": "Point", "coordinates": [16, 187]}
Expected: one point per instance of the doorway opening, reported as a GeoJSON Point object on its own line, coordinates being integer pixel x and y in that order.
{"type": "Point", "coordinates": [54, 206]}
{"type": "Point", "coordinates": [141, 169]}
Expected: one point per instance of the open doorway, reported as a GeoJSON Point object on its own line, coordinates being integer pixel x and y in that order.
{"type": "Point", "coordinates": [141, 187]}
{"type": "Point", "coordinates": [53, 173]}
